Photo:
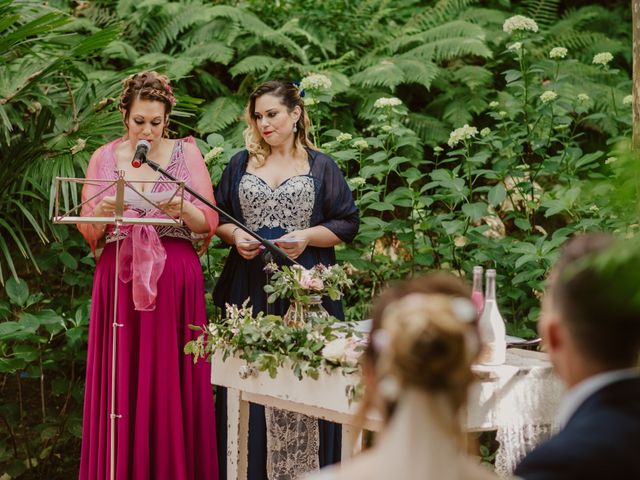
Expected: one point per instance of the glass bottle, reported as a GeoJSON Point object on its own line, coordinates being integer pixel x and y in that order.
{"type": "Point", "coordinates": [477, 297]}
{"type": "Point", "coordinates": [491, 326]}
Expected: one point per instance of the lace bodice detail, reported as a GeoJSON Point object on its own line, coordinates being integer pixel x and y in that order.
{"type": "Point", "coordinates": [289, 206]}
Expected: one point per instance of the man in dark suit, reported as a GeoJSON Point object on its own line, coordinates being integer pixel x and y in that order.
{"type": "Point", "coordinates": [590, 324]}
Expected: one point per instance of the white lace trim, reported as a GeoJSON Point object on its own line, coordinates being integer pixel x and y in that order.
{"type": "Point", "coordinates": [289, 206]}
{"type": "Point", "coordinates": [293, 442]}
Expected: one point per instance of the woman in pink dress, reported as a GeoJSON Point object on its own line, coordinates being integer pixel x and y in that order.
{"type": "Point", "coordinates": [166, 429]}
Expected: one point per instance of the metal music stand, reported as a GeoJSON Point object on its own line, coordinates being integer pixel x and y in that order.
{"type": "Point", "coordinates": [71, 216]}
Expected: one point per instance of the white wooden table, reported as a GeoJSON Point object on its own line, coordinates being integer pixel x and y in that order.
{"type": "Point", "coordinates": [493, 400]}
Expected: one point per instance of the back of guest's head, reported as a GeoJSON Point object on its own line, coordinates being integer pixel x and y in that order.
{"type": "Point", "coordinates": [595, 288]}
{"type": "Point", "coordinates": [423, 337]}
{"type": "Point", "coordinates": [290, 97]}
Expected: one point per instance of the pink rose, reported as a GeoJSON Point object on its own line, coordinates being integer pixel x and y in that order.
{"type": "Point", "coordinates": [309, 283]}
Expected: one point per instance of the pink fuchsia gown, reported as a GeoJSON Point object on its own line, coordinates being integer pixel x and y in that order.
{"type": "Point", "coordinates": [167, 429]}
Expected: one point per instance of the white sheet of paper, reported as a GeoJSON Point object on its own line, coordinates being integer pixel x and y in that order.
{"type": "Point", "coordinates": [134, 200]}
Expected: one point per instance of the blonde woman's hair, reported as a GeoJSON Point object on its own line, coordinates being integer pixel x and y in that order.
{"type": "Point", "coordinates": [423, 337]}
{"type": "Point", "coordinates": [289, 95]}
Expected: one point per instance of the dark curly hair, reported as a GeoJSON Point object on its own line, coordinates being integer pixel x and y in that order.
{"type": "Point", "coordinates": [147, 85]}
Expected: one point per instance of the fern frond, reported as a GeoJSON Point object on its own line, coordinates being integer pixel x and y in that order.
{"type": "Point", "coordinates": [544, 12]}
{"type": "Point", "coordinates": [443, 11]}
{"type": "Point", "coordinates": [455, 29]}
{"type": "Point", "coordinates": [254, 26]}
{"type": "Point", "coordinates": [386, 73]}
{"type": "Point", "coordinates": [253, 64]}
{"type": "Point", "coordinates": [213, 51]}
{"type": "Point", "coordinates": [430, 129]}
{"type": "Point", "coordinates": [473, 76]}
{"type": "Point", "coordinates": [418, 71]}
{"type": "Point", "coordinates": [218, 115]}
{"type": "Point", "coordinates": [450, 48]}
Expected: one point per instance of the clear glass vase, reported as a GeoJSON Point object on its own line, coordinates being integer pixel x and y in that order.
{"type": "Point", "coordinates": [301, 312]}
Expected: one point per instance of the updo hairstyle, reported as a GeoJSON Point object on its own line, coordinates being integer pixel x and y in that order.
{"type": "Point", "coordinates": [423, 336]}
{"type": "Point", "coordinates": [147, 85]}
{"type": "Point", "coordinates": [289, 95]}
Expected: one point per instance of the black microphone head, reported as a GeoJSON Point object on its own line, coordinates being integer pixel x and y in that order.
{"type": "Point", "coordinates": [142, 148]}
{"type": "Point", "coordinates": [143, 145]}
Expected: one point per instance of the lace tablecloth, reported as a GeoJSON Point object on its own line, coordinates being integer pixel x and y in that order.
{"type": "Point", "coordinates": [518, 399]}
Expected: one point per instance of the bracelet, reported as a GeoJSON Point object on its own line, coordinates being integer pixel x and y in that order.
{"type": "Point", "coordinates": [233, 234]}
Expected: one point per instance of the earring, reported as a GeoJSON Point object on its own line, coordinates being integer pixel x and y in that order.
{"type": "Point", "coordinates": [295, 127]}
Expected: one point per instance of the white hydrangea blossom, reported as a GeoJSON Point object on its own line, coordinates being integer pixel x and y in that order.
{"type": "Point", "coordinates": [583, 98]}
{"type": "Point", "coordinates": [485, 131]}
{"type": "Point", "coordinates": [519, 23]}
{"type": "Point", "coordinates": [360, 144]}
{"type": "Point", "coordinates": [344, 137]}
{"type": "Point", "coordinates": [316, 81]}
{"type": "Point", "coordinates": [214, 153]}
{"type": "Point", "coordinates": [558, 52]}
{"type": "Point", "coordinates": [515, 47]}
{"type": "Point", "coordinates": [602, 58]}
{"type": "Point", "coordinates": [461, 134]}
{"type": "Point", "coordinates": [494, 104]}
{"type": "Point", "coordinates": [548, 96]}
{"type": "Point", "coordinates": [357, 181]}
{"type": "Point", "coordinates": [387, 102]}
{"type": "Point", "coordinates": [628, 100]}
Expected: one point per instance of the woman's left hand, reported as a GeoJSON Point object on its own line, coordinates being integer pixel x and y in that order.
{"type": "Point", "coordinates": [293, 243]}
{"type": "Point", "coordinates": [174, 206]}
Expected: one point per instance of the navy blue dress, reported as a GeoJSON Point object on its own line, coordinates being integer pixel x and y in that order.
{"type": "Point", "coordinates": [322, 197]}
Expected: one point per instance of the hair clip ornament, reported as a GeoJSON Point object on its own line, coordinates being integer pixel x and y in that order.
{"type": "Point", "coordinates": [464, 309]}
{"type": "Point", "coordinates": [300, 90]}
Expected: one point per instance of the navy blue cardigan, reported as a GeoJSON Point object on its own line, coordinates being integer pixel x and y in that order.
{"type": "Point", "coordinates": [334, 209]}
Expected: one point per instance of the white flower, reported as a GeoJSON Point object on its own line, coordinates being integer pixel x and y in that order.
{"type": "Point", "coordinates": [357, 181]}
{"type": "Point", "coordinates": [309, 101]}
{"type": "Point", "coordinates": [335, 350]}
{"type": "Point", "coordinates": [213, 329]}
{"type": "Point", "coordinates": [558, 52]}
{"type": "Point", "coordinates": [628, 100]}
{"type": "Point", "coordinates": [502, 113]}
{"type": "Point", "coordinates": [387, 102]}
{"type": "Point", "coordinates": [214, 153]}
{"type": "Point", "coordinates": [514, 47]}
{"type": "Point", "coordinates": [360, 144]}
{"type": "Point", "coordinates": [485, 131]}
{"type": "Point", "coordinates": [610, 160]}
{"type": "Point", "coordinates": [519, 23]}
{"type": "Point", "coordinates": [602, 58]}
{"type": "Point", "coordinates": [494, 104]}
{"type": "Point", "coordinates": [344, 137]}
{"type": "Point", "coordinates": [583, 98]}
{"type": "Point", "coordinates": [387, 128]}
{"type": "Point", "coordinates": [460, 241]}
{"type": "Point", "coordinates": [315, 81]}
{"type": "Point", "coordinates": [438, 149]}
{"type": "Point", "coordinates": [548, 96]}
{"type": "Point", "coordinates": [460, 134]}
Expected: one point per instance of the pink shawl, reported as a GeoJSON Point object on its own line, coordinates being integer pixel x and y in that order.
{"type": "Point", "coordinates": [142, 255]}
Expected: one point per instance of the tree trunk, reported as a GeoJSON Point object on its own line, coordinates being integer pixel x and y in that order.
{"type": "Point", "coordinates": [635, 8]}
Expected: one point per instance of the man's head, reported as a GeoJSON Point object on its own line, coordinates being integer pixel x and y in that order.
{"type": "Point", "coordinates": [590, 318]}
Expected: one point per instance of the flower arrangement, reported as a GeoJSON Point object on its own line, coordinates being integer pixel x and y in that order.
{"type": "Point", "coordinates": [299, 284]}
{"type": "Point", "coordinates": [265, 342]}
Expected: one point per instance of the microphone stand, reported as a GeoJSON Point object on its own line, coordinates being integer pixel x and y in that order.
{"type": "Point", "coordinates": [272, 248]}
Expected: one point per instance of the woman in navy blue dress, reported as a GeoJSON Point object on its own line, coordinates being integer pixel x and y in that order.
{"type": "Point", "coordinates": [284, 189]}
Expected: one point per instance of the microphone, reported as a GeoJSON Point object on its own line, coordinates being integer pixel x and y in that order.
{"type": "Point", "coordinates": [142, 148]}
